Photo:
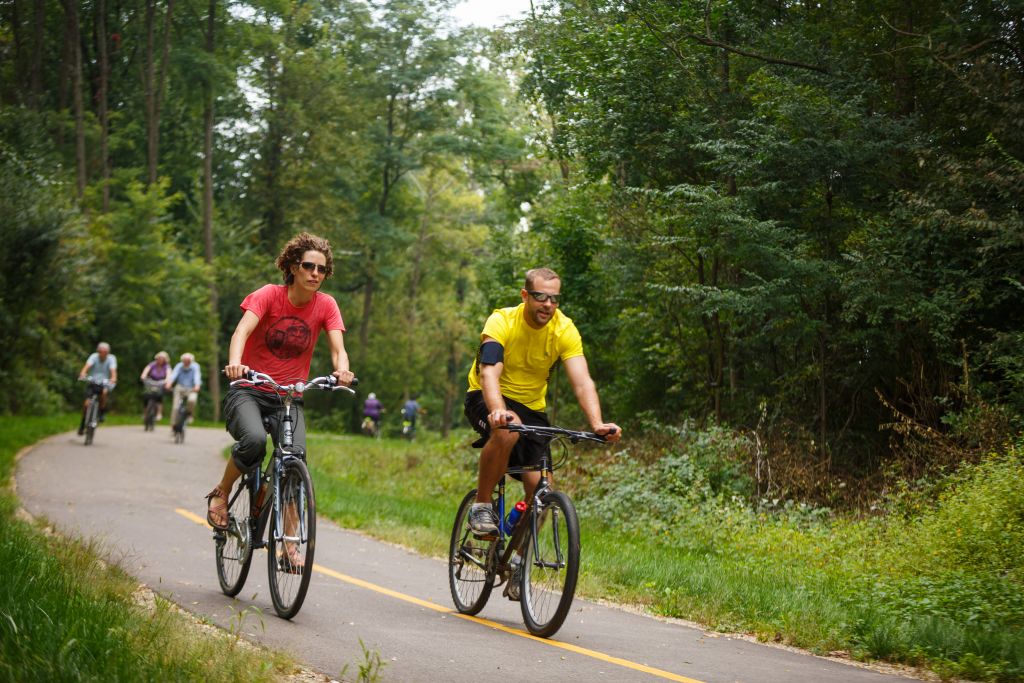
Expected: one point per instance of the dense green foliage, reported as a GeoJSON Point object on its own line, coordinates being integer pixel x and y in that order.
{"type": "Point", "coordinates": [799, 218]}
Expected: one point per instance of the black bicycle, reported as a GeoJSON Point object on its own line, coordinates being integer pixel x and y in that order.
{"type": "Point", "coordinates": [180, 418]}
{"type": "Point", "coordinates": [153, 396]}
{"type": "Point", "coordinates": [92, 406]}
{"type": "Point", "coordinates": [537, 557]}
{"type": "Point", "coordinates": [274, 509]}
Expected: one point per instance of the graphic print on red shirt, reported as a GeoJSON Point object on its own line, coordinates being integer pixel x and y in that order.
{"type": "Point", "coordinates": [282, 343]}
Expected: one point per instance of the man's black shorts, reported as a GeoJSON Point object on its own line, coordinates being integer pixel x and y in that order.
{"type": "Point", "coordinates": [529, 449]}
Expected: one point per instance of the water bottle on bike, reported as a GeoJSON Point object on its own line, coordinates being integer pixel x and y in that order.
{"type": "Point", "coordinates": [512, 518]}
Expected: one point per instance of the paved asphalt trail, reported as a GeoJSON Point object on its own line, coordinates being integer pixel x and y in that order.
{"type": "Point", "coordinates": [142, 497]}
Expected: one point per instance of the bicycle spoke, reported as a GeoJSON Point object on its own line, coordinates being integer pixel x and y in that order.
{"type": "Point", "coordinates": [470, 561]}
{"type": "Point", "coordinates": [290, 552]}
{"type": "Point", "coordinates": [550, 565]}
{"type": "Point", "coordinates": [235, 546]}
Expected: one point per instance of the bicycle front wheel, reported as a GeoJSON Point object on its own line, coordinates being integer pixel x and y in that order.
{"type": "Point", "coordinates": [150, 415]}
{"type": "Point", "coordinates": [470, 563]}
{"type": "Point", "coordinates": [235, 546]}
{"type": "Point", "coordinates": [92, 415]}
{"type": "Point", "coordinates": [292, 540]}
{"type": "Point", "coordinates": [551, 563]}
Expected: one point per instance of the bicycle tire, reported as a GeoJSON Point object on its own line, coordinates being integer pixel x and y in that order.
{"type": "Point", "coordinates": [550, 565]}
{"type": "Point", "coordinates": [289, 582]}
{"type": "Point", "coordinates": [234, 547]}
{"type": "Point", "coordinates": [470, 563]}
{"type": "Point", "coordinates": [180, 418]}
{"type": "Point", "coordinates": [90, 421]}
{"type": "Point", "coordinates": [149, 416]}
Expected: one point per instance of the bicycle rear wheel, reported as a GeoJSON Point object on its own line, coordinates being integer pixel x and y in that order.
{"type": "Point", "coordinates": [91, 418]}
{"type": "Point", "coordinates": [470, 563]}
{"type": "Point", "coordinates": [551, 563]}
{"type": "Point", "coordinates": [292, 539]}
{"type": "Point", "coordinates": [234, 547]}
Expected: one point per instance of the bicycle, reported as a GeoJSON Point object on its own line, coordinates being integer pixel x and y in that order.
{"type": "Point", "coordinates": [92, 405]}
{"type": "Point", "coordinates": [180, 418]}
{"type": "Point", "coordinates": [370, 428]}
{"type": "Point", "coordinates": [545, 540]}
{"type": "Point", "coordinates": [153, 395]}
{"type": "Point", "coordinates": [288, 522]}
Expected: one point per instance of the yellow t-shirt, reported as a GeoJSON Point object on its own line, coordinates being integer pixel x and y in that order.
{"type": "Point", "coordinates": [529, 354]}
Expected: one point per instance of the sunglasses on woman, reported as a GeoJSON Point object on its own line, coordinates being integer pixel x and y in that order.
{"type": "Point", "coordinates": [309, 267]}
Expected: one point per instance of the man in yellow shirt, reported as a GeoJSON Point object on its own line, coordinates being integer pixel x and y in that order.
{"type": "Point", "coordinates": [508, 382]}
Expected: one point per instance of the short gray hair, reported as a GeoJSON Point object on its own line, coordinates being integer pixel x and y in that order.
{"type": "Point", "coordinates": [103, 346]}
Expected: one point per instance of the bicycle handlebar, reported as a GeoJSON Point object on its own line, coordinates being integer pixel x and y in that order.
{"type": "Point", "coordinates": [326, 383]}
{"type": "Point", "coordinates": [572, 435]}
{"type": "Point", "coordinates": [100, 382]}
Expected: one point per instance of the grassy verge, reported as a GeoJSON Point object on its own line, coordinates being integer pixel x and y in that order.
{"type": "Point", "coordinates": [66, 615]}
{"type": "Point", "coordinates": [937, 583]}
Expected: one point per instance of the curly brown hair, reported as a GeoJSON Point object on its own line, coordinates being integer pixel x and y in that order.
{"type": "Point", "coordinates": [292, 252]}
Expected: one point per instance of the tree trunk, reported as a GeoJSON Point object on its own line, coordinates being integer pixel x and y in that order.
{"type": "Point", "coordinates": [71, 7]}
{"type": "Point", "coordinates": [207, 200]}
{"type": "Point", "coordinates": [36, 58]}
{"type": "Point", "coordinates": [19, 49]}
{"type": "Point", "coordinates": [161, 78]}
{"type": "Point", "coordinates": [64, 74]}
{"type": "Point", "coordinates": [104, 72]}
{"type": "Point", "coordinates": [149, 89]}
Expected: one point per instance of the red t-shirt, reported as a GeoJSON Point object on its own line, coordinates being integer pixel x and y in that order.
{"type": "Point", "coordinates": [282, 343]}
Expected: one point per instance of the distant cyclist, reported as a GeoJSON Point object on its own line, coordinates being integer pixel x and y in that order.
{"type": "Point", "coordinates": [99, 366]}
{"type": "Point", "coordinates": [186, 379]}
{"type": "Point", "coordinates": [276, 335]}
{"type": "Point", "coordinates": [154, 376]}
{"type": "Point", "coordinates": [410, 410]}
{"type": "Point", "coordinates": [508, 382]}
{"type": "Point", "coordinates": [372, 409]}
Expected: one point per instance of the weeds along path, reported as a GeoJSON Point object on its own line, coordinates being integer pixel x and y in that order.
{"type": "Point", "coordinates": [141, 495]}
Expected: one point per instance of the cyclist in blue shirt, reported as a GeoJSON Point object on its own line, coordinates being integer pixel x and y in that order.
{"type": "Point", "coordinates": [101, 365]}
{"type": "Point", "coordinates": [186, 378]}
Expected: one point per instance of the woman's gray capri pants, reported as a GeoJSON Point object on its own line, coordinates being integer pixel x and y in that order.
{"type": "Point", "coordinates": [244, 408]}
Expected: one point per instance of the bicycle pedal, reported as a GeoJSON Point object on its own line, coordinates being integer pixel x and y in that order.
{"type": "Point", "coordinates": [484, 535]}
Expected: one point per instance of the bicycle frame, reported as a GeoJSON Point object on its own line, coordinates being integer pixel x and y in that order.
{"type": "Point", "coordinates": [543, 486]}
{"type": "Point", "coordinates": [284, 451]}
{"type": "Point", "coordinates": [271, 478]}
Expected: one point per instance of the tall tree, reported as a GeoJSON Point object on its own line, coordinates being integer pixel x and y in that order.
{"type": "Point", "coordinates": [103, 82]}
{"type": "Point", "coordinates": [208, 123]}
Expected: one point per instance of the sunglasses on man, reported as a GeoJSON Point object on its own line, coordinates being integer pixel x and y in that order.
{"type": "Point", "coordinates": [544, 296]}
{"type": "Point", "coordinates": [309, 267]}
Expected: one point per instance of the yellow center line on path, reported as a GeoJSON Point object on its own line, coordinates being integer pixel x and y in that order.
{"type": "Point", "coordinates": [667, 675]}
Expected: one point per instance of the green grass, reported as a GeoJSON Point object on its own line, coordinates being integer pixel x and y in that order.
{"type": "Point", "coordinates": [66, 615]}
{"type": "Point", "coordinates": [937, 582]}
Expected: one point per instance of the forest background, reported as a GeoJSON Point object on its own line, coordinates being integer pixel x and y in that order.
{"type": "Point", "coordinates": [789, 232]}
{"type": "Point", "coordinates": [801, 220]}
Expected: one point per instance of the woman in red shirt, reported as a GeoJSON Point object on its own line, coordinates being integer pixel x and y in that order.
{"type": "Point", "coordinates": [276, 335]}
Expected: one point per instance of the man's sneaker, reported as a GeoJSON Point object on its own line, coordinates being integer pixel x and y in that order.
{"type": "Point", "coordinates": [482, 520]}
{"type": "Point", "coordinates": [81, 428]}
{"type": "Point", "coordinates": [514, 579]}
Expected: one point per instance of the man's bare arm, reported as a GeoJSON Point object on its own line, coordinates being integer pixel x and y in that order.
{"type": "Point", "coordinates": [586, 393]}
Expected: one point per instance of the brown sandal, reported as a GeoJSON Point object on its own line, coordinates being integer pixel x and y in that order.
{"type": "Point", "coordinates": [291, 561]}
{"type": "Point", "coordinates": [220, 510]}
